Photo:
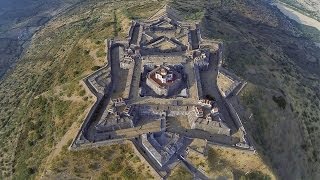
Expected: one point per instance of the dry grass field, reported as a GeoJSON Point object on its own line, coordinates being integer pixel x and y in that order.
{"type": "Point", "coordinates": [116, 161]}
{"type": "Point", "coordinates": [180, 173]}
{"type": "Point", "coordinates": [228, 163]}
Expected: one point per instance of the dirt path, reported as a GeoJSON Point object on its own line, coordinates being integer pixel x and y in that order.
{"type": "Point", "coordinates": [71, 133]}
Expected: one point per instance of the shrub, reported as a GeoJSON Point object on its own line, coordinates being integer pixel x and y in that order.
{"type": "Point", "coordinates": [94, 166]}
{"type": "Point", "coordinates": [104, 176]}
{"type": "Point", "coordinates": [98, 42]}
{"type": "Point", "coordinates": [214, 162]}
{"type": "Point", "coordinates": [280, 101]}
{"type": "Point", "coordinates": [82, 92]}
{"type": "Point", "coordinates": [129, 173]}
{"type": "Point", "coordinates": [86, 51]}
{"type": "Point", "coordinates": [94, 68]}
{"type": "Point", "coordinates": [255, 175]}
{"type": "Point", "coordinates": [101, 53]}
{"type": "Point", "coordinates": [116, 165]}
{"type": "Point", "coordinates": [211, 98]}
{"type": "Point", "coordinates": [31, 170]}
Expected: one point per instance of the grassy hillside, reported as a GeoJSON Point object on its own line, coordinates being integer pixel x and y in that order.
{"type": "Point", "coordinates": [100, 163]}
{"type": "Point", "coordinates": [282, 68]}
{"type": "Point", "coordinates": [236, 163]}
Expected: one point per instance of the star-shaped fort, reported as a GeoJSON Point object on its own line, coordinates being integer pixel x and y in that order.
{"type": "Point", "coordinates": [164, 89]}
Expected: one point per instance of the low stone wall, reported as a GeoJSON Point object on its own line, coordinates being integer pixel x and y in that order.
{"type": "Point", "coordinates": [240, 126]}
{"type": "Point", "coordinates": [140, 34]}
{"type": "Point", "coordinates": [97, 144]}
{"type": "Point", "coordinates": [234, 83]}
{"type": "Point", "coordinates": [242, 86]}
{"type": "Point", "coordinates": [220, 55]}
{"type": "Point", "coordinates": [92, 79]}
{"type": "Point", "coordinates": [77, 141]}
{"type": "Point", "coordinates": [235, 116]}
{"type": "Point", "coordinates": [214, 144]}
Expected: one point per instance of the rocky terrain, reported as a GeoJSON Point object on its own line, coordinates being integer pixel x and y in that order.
{"type": "Point", "coordinates": [42, 101]}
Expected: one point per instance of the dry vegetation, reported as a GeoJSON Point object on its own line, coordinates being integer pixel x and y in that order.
{"type": "Point", "coordinates": [237, 161]}
{"type": "Point", "coordinates": [165, 45]}
{"type": "Point", "coordinates": [229, 163]}
{"type": "Point", "coordinates": [180, 173]}
{"type": "Point", "coordinates": [115, 161]}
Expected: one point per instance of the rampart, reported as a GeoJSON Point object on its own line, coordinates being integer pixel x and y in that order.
{"type": "Point", "coordinates": [198, 81]}
{"type": "Point", "coordinates": [80, 138]}
{"type": "Point", "coordinates": [126, 92]}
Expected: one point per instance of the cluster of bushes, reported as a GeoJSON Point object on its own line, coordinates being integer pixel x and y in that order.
{"type": "Point", "coordinates": [281, 102]}
{"type": "Point", "coordinates": [181, 174]}
{"type": "Point", "coordinates": [215, 162]}
{"type": "Point", "coordinates": [101, 53]}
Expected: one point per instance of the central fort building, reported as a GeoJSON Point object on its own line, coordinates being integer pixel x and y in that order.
{"type": "Point", "coordinates": [163, 80]}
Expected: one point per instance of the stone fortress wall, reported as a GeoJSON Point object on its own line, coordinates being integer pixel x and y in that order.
{"type": "Point", "coordinates": [126, 92]}
{"type": "Point", "coordinates": [80, 140]}
{"type": "Point", "coordinates": [246, 140]}
{"type": "Point", "coordinates": [198, 81]}
{"type": "Point", "coordinates": [235, 82]}
{"type": "Point", "coordinates": [161, 154]}
{"type": "Point", "coordinates": [213, 125]}
{"type": "Point", "coordinates": [145, 46]}
{"type": "Point", "coordinates": [100, 80]}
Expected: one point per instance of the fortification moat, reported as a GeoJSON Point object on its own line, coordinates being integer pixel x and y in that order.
{"type": "Point", "coordinates": [154, 93]}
